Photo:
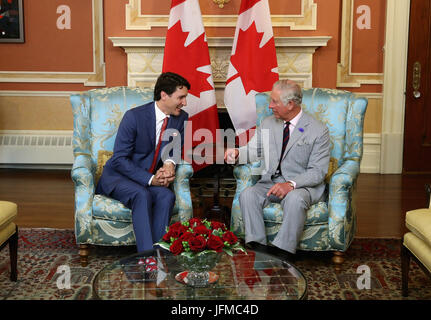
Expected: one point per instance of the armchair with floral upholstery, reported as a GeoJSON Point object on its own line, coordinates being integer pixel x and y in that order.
{"type": "Point", "coordinates": [100, 220]}
{"type": "Point", "coordinates": [330, 225]}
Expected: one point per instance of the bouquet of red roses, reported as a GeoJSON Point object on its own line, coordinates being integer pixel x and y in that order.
{"type": "Point", "coordinates": [196, 235]}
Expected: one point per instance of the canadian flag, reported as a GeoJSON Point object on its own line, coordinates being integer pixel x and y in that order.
{"type": "Point", "coordinates": [253, 63]}
{"type": "Point", "coordinates": [186, 53]}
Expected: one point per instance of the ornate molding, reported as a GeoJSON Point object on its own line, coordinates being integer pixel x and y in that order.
{"type": "Point", "coordinates": [145, 59]}
{"type": "Point", "coordinates": [306, 20]}
{"type": "Point", "coordinates": [94, 78]}
{"type": "Point", "coordinates": [345, 76]}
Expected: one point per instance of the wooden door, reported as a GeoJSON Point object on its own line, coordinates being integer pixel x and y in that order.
{"type": "Point", "coordinates": [417, 127]}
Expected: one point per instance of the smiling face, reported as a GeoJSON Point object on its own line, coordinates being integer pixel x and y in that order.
{"type": "Point", "coordinates": [172, 104]}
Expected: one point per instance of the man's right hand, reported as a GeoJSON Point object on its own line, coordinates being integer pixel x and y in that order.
{"type": "Point", "coordinates": [161, 178]}
{"type": "Point", "coordinates": [231, 155]}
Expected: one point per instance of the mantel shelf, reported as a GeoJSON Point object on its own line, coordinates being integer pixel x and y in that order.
{"type": "Point", "coordinates": [159, 42]}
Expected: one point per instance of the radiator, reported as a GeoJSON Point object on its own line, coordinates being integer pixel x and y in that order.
{"type": "Point", "coordinates": [36, 148]}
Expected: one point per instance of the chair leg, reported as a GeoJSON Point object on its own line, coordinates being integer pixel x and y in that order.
{"type": "Point", "coordinates": [13, 253]}
{"type": "Point", "coordinates": [405, 266]}
{"type": "Point", "coordinates": [84, 252]}
{"type": "Point", "coordinates": [338, 260]}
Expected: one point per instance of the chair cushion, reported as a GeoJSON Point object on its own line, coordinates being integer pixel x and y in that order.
{"type": "Point", "coordinates": [8, 213]}
{"type": "Point", "coordinates": [105, 208]}
{"type": "Point", "coordinates": [419, 222]}
{"type": "Point", "coordinates": [419, 248]}
{"type": "Point", "coordinates": [316, 214]}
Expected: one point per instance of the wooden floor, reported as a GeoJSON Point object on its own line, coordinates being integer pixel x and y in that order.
{"type": "Point", "coordinates": [46, 199]}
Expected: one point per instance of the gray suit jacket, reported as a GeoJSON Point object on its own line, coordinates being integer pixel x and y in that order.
{"type": "Point", "coordinates": [305, 159]}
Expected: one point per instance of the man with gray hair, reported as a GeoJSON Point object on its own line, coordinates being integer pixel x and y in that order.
{"type": "Point", "coordinates": [296, 157]}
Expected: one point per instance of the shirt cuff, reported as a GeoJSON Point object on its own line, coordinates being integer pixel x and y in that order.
{"type": "Point", "coordinates": [170, 160]}
{"type": "Point", "coordinates": [292, 182]}
{"type": "Point", "coordinates": [151, 179]}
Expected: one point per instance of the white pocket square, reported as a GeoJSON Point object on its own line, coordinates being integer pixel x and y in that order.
{"type": "Point", "coordinates": [302, 142]}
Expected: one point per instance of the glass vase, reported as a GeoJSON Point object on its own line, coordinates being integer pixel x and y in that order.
{"type": "Point", "coordinates": [197, 268]}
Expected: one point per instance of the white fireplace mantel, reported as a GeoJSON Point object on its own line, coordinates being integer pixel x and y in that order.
{"type": "Point", "coordinates": [145, 59]}
{"type": "Point", "coordinates": [159, 42]}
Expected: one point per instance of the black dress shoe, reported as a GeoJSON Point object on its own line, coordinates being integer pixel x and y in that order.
{"type": "Point", "coordinates": [289, 257]}
{"type": "Point", "coordinates": [256, 246]}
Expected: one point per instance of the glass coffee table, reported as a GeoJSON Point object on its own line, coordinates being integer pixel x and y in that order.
{"type": "Point", "coordinates": [152, 275]}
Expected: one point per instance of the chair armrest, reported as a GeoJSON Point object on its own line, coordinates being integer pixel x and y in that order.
{"type": "Point", "coordinates": [82, 170]}
{"type": "Point", "coordinates": [244, 178]}
{"type": "Point", "coordinates": [183, 202]}
{"type": "Point", "coordinates": [83, 179]}
{"type": "Point", "coordinates": [341, 213]}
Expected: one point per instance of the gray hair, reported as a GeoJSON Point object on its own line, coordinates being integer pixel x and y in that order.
{"type": "Point", "coordinates": [290, 91]}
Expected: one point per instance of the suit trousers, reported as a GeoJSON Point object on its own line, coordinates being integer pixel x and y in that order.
{"type": "Point", "coordinates": [295, 205]}
{"type": "Point", "coordinates": [151, 210]}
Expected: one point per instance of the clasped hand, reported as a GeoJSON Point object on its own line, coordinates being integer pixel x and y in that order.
{"type": "Point", "coordinates": [165, 175]}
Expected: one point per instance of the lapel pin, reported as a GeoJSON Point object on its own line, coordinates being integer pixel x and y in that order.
{"type": "Point", "coordinates": [301, 129]}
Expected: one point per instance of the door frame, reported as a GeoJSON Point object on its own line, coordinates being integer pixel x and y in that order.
{"type": "Point", "coordinates": [394, 86]}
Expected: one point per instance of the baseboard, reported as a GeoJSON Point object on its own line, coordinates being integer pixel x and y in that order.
{"type": "Point", "coordinates": [371, 154]}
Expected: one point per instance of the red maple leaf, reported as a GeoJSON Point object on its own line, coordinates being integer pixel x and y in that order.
{"type": "Point", "coordinates": [186, 60]}
{"type": "Point", "coordinates": [254, 64]}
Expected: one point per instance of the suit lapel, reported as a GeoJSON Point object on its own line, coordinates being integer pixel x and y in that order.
{"type": "Point", "coordinates": [152, 123]}
{"type": "Point", "coordinates": [278, 136]}
{"type": "Point", "coordinates": [296, 134]}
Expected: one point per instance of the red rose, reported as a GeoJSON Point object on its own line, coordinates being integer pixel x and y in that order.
{"type": "Point", "coordinates": [194, 222]}
{"type": "Point", "coordinates": [171, 234]}
{"type": "Point", "coordinates": [176, 247]}
{"type": "Point", "coordinates": [178, 228]}
{"type": "Point", "coordinates": [167, 236]}
{"type": "Point", "coordinates": [215, 243]}
{"type": "Point", "coordinates": [230, 237]}
{"type": "Point", "coordinates": [175, 226]}
{"type": "Point", "coordinates": [218, 225]}
{"type": "Point", "coordinates": [202, 230]}
{"type": "Point", "coordinates": [186, 236]}
{"type": "Point", "coordinates": [197, 243]}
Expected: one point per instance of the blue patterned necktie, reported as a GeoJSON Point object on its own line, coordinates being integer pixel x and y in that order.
{"type": "Point", "coordinates": [286, 136]}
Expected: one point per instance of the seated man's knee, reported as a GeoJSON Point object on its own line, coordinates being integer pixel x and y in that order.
{"type": "Point", "coordinates": [295, 197]}
{"type": "Point", "coordinates": [142, 194]}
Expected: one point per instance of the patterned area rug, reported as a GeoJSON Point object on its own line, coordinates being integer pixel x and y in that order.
{"type": "Point", "coordinates": [42, 251]}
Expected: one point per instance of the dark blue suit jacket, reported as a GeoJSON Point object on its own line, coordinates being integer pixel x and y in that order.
{"type": "Point", "coordinates": [135, 146]}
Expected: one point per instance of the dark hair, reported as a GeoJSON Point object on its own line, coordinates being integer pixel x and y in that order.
{"type": "Point", "coordinates": [169, 82]}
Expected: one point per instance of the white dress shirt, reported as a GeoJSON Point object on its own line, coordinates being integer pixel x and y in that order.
{"type": "Point", "coordinates": [160, 117]}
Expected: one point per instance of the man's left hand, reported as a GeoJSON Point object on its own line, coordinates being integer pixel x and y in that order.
{"type": "Point", "coordinates": [280, 189]}
{"type": "Point", "coordinates": [166, 173]}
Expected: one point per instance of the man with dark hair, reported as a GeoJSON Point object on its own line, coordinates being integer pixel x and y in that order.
{"type": "Point", "coordinates": [140, 170]}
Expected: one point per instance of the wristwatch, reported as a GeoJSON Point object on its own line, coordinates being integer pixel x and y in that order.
{"type": "Point", "coordinates": [291, 184]}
